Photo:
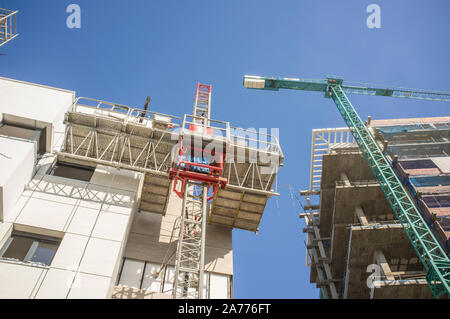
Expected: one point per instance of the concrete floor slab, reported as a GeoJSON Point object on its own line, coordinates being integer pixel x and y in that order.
{"type": "Point", "coordinates": [403, 289]}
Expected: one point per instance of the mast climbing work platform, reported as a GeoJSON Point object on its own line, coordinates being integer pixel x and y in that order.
{"type": "Point", "coordinates": [429, 251]}
{"type": "Point", "coordinates": [190, 261]}
{"type": "Point", "coordinates": [196, 172]}
{"type": "Point", "coordinates": [224, 174]}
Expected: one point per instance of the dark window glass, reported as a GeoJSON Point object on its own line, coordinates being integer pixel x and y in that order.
{"type": "Point", "coordinates": [437, 201]}
{"type": "Point", "coordinates": [29, 247]}
{"type": "Point", "coordinates": [81, 173]}
{"type": "Point", "coordinates": [418, 164]}
{"type": "Point", "coordinates": [44, 253]}
{"type": "Point", "coordinates": [18, 248]}
{"type": "Point", "coordinates": [430, 181]}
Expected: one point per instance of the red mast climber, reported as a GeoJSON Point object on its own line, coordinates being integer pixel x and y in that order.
{"type": "Point", "coordinates": [197, 163]}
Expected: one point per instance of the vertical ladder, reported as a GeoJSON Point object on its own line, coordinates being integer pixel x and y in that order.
{"type": "Point", "coordinates": [188, 283]}
{"type": "Point", "coordinates": [202, 101]}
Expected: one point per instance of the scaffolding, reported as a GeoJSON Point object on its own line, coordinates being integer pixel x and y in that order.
{"type": "Point", "coordinates": [322, 140]}
{"type": "Point", "coordinates": [8, 28]}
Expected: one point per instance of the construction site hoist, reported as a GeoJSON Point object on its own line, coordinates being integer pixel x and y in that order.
{"type": "Point", "coordinates": [196, 178]}
{"type": "Point", "coordinates": [428, 249]}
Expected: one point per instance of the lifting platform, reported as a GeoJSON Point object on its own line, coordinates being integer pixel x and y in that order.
{"type": "Point", "coordinates": [224, 174]}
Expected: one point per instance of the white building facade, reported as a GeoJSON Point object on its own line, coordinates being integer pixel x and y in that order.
{"type": "Point", "coordinates": [76, 231]}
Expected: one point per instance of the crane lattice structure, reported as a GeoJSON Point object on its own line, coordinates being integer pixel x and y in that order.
{"type": "Point", "coordinates": [195, 173]}
{"type": "Point", "coordinates": [428, 249]}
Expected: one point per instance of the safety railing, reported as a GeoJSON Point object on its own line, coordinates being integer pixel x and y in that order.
{"type": "Point", "coordinates": [322, 140]}
{"type": "Point", "coordinates": [131, 115]}
{"type": "Point", "coordinates": [248, 138]}
{"type": "Point", "coordinates": [140, 116]}
{"type": "Point", "coordinates": [254, 139]}
{"type": "Point", "coordinates": [100, 105]}
{"type": "Point", "coordinates": [206, 127]}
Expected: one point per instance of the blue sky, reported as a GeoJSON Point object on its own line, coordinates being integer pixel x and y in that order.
{"type": "Point", "coordinates": [127, 50]}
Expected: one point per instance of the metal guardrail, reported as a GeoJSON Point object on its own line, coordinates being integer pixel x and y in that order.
{"type": "Point", "coordinates": [133, 115]}
{"type": "Point", "coordinates": [100, 104]}
{"type": "Point", "coordinates": [256, 140]}
{"type": "Point", "coordinates": [248, 138]}
{"type": "Point", "coordinates": [322, 139]}
{"type": "Point", "coordinates": [207, 127]}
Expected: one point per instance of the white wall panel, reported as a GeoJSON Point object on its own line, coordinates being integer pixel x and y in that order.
{"type": "Point", "coordinates": [56, 284]}
{"type": "Point", "coordinates": [34, 102]}
{"type": "Point", "coordinates": [18, 281]}
{"type": "Point", "coordinates": [45, 214]}
{"type": "Point", "coordinates": [83, 221]}
{"type": "Point", "coordinates": [16, 168]}
{"type": "Point", "coordinates": [100, 257]}
{"type": "Point", "coordinates": [88, 286]}
{"type": "Point", "coordinates": [111, 226]}
{"type": "Point", "coordinates": [70, 251]}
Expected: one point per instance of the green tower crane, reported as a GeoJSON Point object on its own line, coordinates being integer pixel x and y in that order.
{"type": "Point", "coordinates": [429, 251]}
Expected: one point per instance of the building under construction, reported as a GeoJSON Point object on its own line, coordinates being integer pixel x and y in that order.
{"type": "Point", "coordinates": [379, 228]}
{"type": "Point", "coordinates": [356, 246]}
{"type": "Point", "coordinates": [101, 200]}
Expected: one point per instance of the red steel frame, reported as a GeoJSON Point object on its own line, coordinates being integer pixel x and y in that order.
{"type": "Point", "coordinates": [213, 177]}
{"type": "Point", "coordinates": [202, 97]}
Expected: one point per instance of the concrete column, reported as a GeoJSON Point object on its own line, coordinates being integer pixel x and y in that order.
{"type": "Point", "coordinates": [381, 261]}
{"type": "Point", "coordinates": [361, 217]}
{"type": "Point", "coordinates": [345, 179]}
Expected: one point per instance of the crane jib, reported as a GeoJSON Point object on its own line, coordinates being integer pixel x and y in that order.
{"type": "Point", "coordinates": [271, 83]}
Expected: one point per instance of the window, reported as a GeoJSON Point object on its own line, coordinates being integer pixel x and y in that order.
{"type": "Point", "coordinates": [437, 201]}
{"type": "Point", "coordinates": [418, 164]}
{"type": "Point", "coordinates": [132, 271]}
{"type": "Point", "coordinates": [430, 181]}
{"type": "Point", "coordinates": [144, 275]}
{"type": "Point", "coordinates": [73, 171]}
{"type": "Point", "coordinates": [30, 248]}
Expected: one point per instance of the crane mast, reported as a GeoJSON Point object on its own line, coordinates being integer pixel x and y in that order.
{"type": "Point", "coordinates": [196, 172]}
{"type": "Point", "coordinates": [428, 249]}
{"type": "Point", "coordinates": [190, 261]}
